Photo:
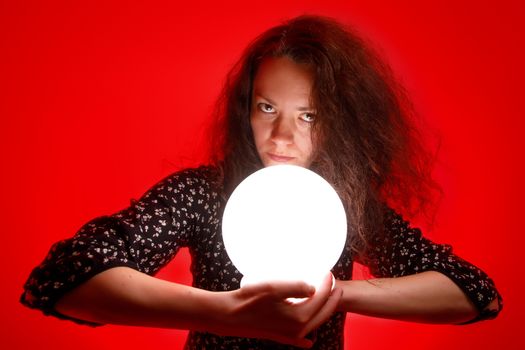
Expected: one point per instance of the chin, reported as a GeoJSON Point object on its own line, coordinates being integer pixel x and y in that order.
{"type": "Point", "coordinates": [292, 162]}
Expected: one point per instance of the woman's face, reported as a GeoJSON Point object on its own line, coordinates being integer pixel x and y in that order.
{"type": "Point", "coordinates": [281, 115]}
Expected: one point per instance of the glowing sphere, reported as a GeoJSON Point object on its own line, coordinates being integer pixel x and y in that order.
{"type": "Point", "coordinates": [284, 222]}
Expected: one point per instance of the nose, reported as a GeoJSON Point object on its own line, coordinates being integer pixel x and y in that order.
{"type": "Point", "coordinates": [282, 131]}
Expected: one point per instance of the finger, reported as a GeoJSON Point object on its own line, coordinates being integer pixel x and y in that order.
{"type": "Point", "coordinates": [324, 313]}
{"type": "Point", "coordinates": [314, 304]}
{"type": "Point", "coordinates": [292, 289]}
{"type": "Point", "coordinates": [280, 290]}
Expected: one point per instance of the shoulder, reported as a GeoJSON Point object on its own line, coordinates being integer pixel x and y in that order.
{"type": "Point", "coordinates": [394, 222]}
{"type": "Point", "coordinates": [204, 174]}
{"type": "Point", "coordinates": [396, 231]}
{"type": "Point", "coordinates": [203, 180]}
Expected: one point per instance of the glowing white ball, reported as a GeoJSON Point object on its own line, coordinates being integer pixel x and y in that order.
{"type": "Point", "coordinates": [284, 222]}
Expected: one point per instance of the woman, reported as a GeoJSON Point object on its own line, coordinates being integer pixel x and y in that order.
{"type": "Point", "coordinates": [307, 93]}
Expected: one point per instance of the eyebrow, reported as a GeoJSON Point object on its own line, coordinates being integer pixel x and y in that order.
{"type": "Point", "coordinates": [300, 109]}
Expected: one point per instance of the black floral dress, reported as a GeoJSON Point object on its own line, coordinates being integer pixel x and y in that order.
{"type": "Point", "coordinates": [184, 210]}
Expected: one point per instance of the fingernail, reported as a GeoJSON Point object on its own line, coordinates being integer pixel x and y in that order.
{"type": "Point", "coordinates": [311, 290]}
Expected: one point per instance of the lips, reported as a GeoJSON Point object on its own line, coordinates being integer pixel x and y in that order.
{"type": "Point", "coordinates": [280, 158]}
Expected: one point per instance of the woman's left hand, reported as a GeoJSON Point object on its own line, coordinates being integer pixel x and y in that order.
{"type": "Point", "coordinates": [264, 310]}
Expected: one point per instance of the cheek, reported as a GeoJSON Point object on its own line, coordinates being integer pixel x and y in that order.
{"type": "Point", "coordinates": [259, 132]}
{"type": "Point", "coordinates": [254, 129]}
{"type": "Point", "coordinates": [306, 142]}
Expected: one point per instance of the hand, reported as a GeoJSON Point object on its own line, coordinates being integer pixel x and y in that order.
{"type": "Point", "coordinates": [264, 311]}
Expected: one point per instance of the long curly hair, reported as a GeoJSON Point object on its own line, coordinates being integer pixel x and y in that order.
{"type": "Point", "coordinates": [366, 143]}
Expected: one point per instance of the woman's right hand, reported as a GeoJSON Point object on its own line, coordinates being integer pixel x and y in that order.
{"type": "Point", "coordinates": [125, 296]}
{"type": "Point", "coordinates": [264, 311]}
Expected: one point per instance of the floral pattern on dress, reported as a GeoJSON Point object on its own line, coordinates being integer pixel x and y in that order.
{"type": "Point", "coordinates": [184, 210]}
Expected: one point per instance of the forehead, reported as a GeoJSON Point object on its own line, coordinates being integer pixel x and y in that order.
{"type": "Point", "coordinates": [282, 75]}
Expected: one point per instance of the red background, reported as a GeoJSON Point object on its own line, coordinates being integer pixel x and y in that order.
{"type": "Point", "coordinates": [99, 100]}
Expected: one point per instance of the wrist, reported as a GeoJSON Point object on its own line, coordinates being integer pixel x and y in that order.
{"type": "Point", "coordinates": [353, 291]}
{"type": "Point", "coordinates": [218, 312]}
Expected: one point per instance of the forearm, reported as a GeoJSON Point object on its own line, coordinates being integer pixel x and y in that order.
{"type": "Point", "coordinates": [125, 296]}
{"type": "Point", "coordinates": [428, 297]}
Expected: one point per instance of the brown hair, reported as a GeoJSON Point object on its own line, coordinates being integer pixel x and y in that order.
{"type": "Point", "coordinates": [366, 146]}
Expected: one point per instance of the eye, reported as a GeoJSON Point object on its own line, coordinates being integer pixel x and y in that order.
{"type": "Point", "coordinates": [308, 117]}
{"type": "Point", "coordinates": [265, 107]}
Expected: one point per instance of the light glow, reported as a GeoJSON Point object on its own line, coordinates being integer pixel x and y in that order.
{"type": "Point", "coordinates": [284, 222]}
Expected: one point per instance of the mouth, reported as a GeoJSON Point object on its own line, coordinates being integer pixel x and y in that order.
{"type": "Point", "coordinates": [279, 158]}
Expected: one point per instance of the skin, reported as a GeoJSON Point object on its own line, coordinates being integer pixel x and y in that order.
{"type": "Point", "coordinates": [281, 119]}
{"type": "Point", "coordinates": [281, 116]}
{"type": "Point", "coordinates": [124, 296]}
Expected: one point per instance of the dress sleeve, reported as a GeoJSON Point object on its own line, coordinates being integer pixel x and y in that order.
{"type": "Point", "coordinates": [145, 236]}
{"type": "Point", "coordinates": [404, 251]}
